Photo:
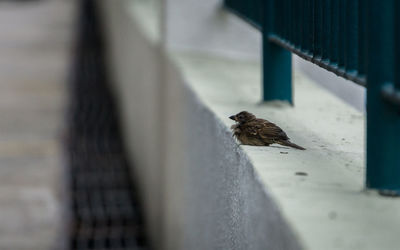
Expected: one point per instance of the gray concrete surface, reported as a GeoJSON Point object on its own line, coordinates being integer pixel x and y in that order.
{"type": "Point", "coordinates": [35, 48]}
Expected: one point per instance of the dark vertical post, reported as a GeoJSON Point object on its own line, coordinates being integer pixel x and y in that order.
{"type": "Point", "coordinates": [288, 11]}
{"type": "Point", "coordinates": [279, 24]}
{"type": "Point", "coordinates": [318, 12]}
{"type": "Point", "coordinates": [312, 27]}
{"type": "Point", "coordinates": [277, 62]}
{"type": "Point", "coordinates": [326, 30]}
{"type": "Point", "coordinates": [362, 30]}
{"type": "Point", "coordinates": [396, 68]}
{"type": "Point", "coordinates": [284, 18]}
{"type": "Point", "coordinates": [351, 45]}
{"type": "Point", "coordinates": [299, 22]}
{"type": "Point", "coordinates": [305, 46]}
{"type": "Point", "coordinates": [342, 33]}
{"type": "Point", "coordinates": [334, 48]}
{"type": "Point", "coordinates": [383, 119]}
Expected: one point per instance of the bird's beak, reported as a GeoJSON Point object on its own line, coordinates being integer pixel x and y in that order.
{"type": "Point", "coordinates": [232, 117]}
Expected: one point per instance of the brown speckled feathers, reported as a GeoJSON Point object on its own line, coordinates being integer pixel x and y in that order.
{"type": "Point", "coordinates": [250, 130]}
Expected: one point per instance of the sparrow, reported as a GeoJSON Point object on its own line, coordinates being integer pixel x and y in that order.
{"type": "Point", "coordinates": [250, 130]}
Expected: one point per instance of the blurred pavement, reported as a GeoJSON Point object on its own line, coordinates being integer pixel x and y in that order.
{"type": "Point", "coordinates": [35, 49]}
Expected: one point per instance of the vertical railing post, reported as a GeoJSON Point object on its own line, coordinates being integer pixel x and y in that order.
{"type": "Point", "coordinates": [383, 118]}
{"type": "Point", "coordinates": [277, 62]}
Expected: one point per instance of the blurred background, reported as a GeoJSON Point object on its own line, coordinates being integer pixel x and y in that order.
{"type": "Point", "coordinates": [36, 52]}
{"type": "Point", "coordinates": [65, 181]}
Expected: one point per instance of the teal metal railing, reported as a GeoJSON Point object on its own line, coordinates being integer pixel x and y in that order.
{"type": "Point", "coordinates": [356, 39]}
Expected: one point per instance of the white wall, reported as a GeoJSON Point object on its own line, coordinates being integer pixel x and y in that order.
{"type": "Point", "coordinates": [204, 26]}
{"type": "Point", "coordinates": [135, 68]}
{"type": "Point", "coordinates": [351, 93]}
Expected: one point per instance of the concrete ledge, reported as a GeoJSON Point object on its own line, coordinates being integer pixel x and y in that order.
{"type": "Point", "coordinates": [214, 194]}
{"type": "Point", "coordinates": [327, 209]}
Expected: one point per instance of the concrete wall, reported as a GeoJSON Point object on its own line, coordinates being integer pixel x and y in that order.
{"type": "Point", "coordinates": [198, 192]}
{"type": "Point", "coordinates": [135, 68]}
{"type": "Point", "coordinates": [213, 199]}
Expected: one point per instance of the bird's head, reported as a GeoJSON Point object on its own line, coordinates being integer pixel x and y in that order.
{"type": "Point", "coordinates": [243, 117]}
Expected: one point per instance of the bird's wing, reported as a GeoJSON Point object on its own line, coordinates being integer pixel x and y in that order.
{"type": "Point", "coordinates": [266, 130]}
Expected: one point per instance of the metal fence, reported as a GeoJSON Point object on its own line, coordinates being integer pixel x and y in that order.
{"type": "Point", "coordinates": [355, 39]}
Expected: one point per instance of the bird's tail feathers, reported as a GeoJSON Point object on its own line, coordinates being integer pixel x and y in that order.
{"type": "Point", "coordinates": [291, 144]}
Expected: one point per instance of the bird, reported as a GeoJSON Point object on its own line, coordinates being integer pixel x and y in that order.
{"type": "Point", "coordinates": [250, 130]}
